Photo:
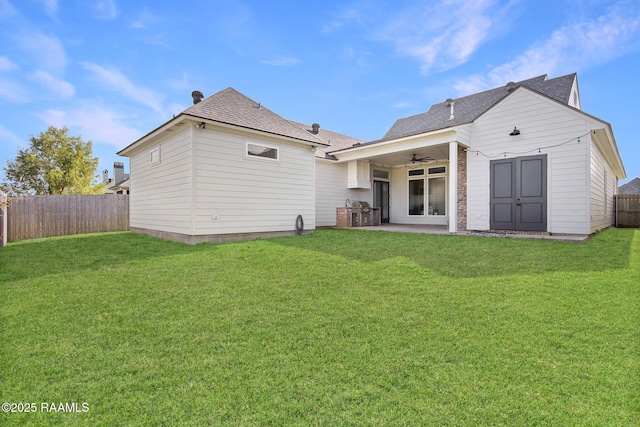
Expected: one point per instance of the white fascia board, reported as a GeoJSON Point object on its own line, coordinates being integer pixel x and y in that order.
{"type": "Point", "coordinates": [605, 141]}
{"type": "Point", "coordinates": [443, 136]}
{"type": "Point", "coordinates": [257, 132]}
{"type": "Point", "coordinates": [182, 118]}
{"type": "Point", "coordinates": [134, 146]}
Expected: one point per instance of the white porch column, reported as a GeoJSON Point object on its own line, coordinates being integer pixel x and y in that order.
{"type": "Point", "coordinates": [453, 187]}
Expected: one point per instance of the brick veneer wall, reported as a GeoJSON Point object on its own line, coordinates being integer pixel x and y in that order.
{"type": "Point", "coordinates": [462, 188]}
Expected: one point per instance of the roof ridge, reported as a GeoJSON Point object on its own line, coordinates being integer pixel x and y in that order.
{"type": "Point", "coordinates": [232, 107]}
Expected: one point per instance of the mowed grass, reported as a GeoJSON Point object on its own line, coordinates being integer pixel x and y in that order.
{"type": "Point", "coordinates": [335, 328]}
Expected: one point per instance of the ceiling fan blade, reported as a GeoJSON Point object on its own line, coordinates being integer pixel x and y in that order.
{"type": "Point", "coordinates": [414, 158]}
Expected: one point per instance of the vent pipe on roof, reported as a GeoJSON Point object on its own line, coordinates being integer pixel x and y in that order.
{"type": "Point", "coordinates": [315, 128]}
{"type": "Point", "coordinates": [449, 102]}
{"type": "Point", "coordinates": [197, 96]}
{"type": "Point", "coordinates": [511, 86]}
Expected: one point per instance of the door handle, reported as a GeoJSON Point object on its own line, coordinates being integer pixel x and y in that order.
{"type": "Point", "coordinates": [518, 203]}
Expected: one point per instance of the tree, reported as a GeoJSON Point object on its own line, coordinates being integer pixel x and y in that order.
{"type": "Point", "coordinates": [55, 163]}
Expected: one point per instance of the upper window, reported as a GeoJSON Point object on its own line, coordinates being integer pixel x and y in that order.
{"type": "Point", "coordinates": [155, 156]}
{"type": "Point", "coordinates": [416, 172]}
{"type": "Point", "coordinates": [377, 173]}
{"type": "Point", "coordinates": [263, 151]}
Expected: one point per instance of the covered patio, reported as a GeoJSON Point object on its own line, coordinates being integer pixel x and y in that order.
{"type": "Point", "coordinates": [417, 180]}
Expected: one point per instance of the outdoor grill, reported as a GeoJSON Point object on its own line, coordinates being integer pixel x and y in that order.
{"type": "Point", "coordinates": [359, 214]}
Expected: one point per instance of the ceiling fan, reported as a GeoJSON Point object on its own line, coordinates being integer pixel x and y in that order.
{"type": "Point", "coordinates": [416, 159]}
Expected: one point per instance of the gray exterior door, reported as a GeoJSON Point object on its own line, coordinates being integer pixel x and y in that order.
{"type": "Point", "coordinates": [519, 194]}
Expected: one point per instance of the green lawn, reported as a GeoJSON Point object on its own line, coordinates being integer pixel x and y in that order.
{"type": "Point", "coordinates": [335, 328]}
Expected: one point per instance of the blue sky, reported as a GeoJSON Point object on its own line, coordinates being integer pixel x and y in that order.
{"type": "Point", "coordinates": [113, 70]}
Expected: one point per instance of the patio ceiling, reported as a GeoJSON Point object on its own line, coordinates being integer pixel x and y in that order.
{"type": "Point", "coordinates": [434, 154]}
{"type": "Point", "coordinates": [434, 147]}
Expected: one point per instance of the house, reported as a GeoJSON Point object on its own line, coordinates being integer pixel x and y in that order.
{"type": "Point", "coordinates": [237, 170]}
{"type": "Point", "coordinates": [630, 188]}
{"type": "Point", "coordinates": [119, 184]}
{"type": "Point", "coordinates": [523, 157]}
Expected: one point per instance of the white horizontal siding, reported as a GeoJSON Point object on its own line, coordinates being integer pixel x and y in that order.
{"type": "Point", "coordinates": [161, 194]}
{"type": "Point", "coordinates": [464, 134]}
{"type": "Point", "coordinates": [602, 214]}
{"type": "Point", "coordinates": [542, 123]}
{"type": "Point", "coordinates": [332, 191]}
{"type": "Point", "coordinates": [237, 194]}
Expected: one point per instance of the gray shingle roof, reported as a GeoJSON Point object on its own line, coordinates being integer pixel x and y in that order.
{"type": "Point", "coordinates": [468, 108]}
{"type": "Point", "coordinates": [231, 107]}
{"type": "Point", "coordinates": [334, 140]}
{"type": "Point", "coordinates": [631, 187]}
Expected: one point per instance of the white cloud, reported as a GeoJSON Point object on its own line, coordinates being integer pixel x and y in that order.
{"type": "Point", "coordinates": [51, 7]}
{"type": "Point", "coordinates": [6, 9]}
{"type": "Point", "coordinates": [347, 15]}
{"type": "Point", "coordinates": [6, 64]}
{"type": "Point", "coordinates": [45, 50]}
{"type": "Point", "coordinates": [182, 84]}
{"type": "Point", "coordinates": [12, 91]}
{"type": "Point", "coordinates": [282, 61]}
{"type": "Point", "coordinates": [144, 20]}
{"type": "Point", "coordinates": [8, 136]}
{"type": "Point", "coordinates": [158, 39]}
{"type": "Point", "coordinates": [106, 10]}
{"type": "Point", "coordinates": [443, 35]}
{"type": "Point", "coordinates": [57, 86]}
{"type": "Point", "coordinates": [114, 80]}
{"type": "Point", "coordinates": [569, 49]}
{"type": "Point", "coordinates": [94, 123]}
{"type": "Point", "coordinates": [401, 104]}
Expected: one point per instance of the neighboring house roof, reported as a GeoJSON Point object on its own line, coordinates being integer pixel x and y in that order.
{"type": "Point", "coordinates": [230, 107]}
{"type": "Point", "coordinates": [631, 187]}
{"type": "Point", "coordinates": [111, 186]}
{"type": "Point", "coordinates": [124, 184]}
{"type": "Point", "coordinates": [469, 108]}
{"type": "Point", "coordinates": [334, 140]}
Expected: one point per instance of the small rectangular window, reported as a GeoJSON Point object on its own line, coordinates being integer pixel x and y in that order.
{"type": "Point", "coordinates": [416, 172]}
{"type": "Point", "coordinates": [263, 151]}
{"type": "Point", "coordinates": [440, 169]}
{"type": "Point", "coordinates": [155, 156]}
{"type": "Point", "coordinates": [380, 174]}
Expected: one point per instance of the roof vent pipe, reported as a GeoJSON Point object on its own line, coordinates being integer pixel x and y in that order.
{"type": "Point", "coordinates": [511, 86]}
{"type": "Point", "coordinates": [197, 96]}
{"type": "Point", "coordinates": [449, 102]}
{"type": "Point", "coordinates": [315, 128]}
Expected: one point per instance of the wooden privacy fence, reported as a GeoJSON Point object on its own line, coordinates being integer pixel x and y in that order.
{"type": "Point", "coordinates": [33, 217]}
{"type": "Point", "coordinates": [627, 208]}
{"type": "Point", "coordinates": [3, 219]}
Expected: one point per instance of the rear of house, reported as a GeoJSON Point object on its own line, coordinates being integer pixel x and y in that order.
{"type": "Point", "coordinates": [519, 158]}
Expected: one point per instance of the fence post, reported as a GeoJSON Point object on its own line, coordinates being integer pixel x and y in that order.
{"type": "Point", "coordinates": [3, 219]}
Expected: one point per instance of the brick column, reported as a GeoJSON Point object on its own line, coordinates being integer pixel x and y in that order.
{"type": "Point", "coordinates": [462, 188]}
{"type": "Point", "coordinates": [343, 217]}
